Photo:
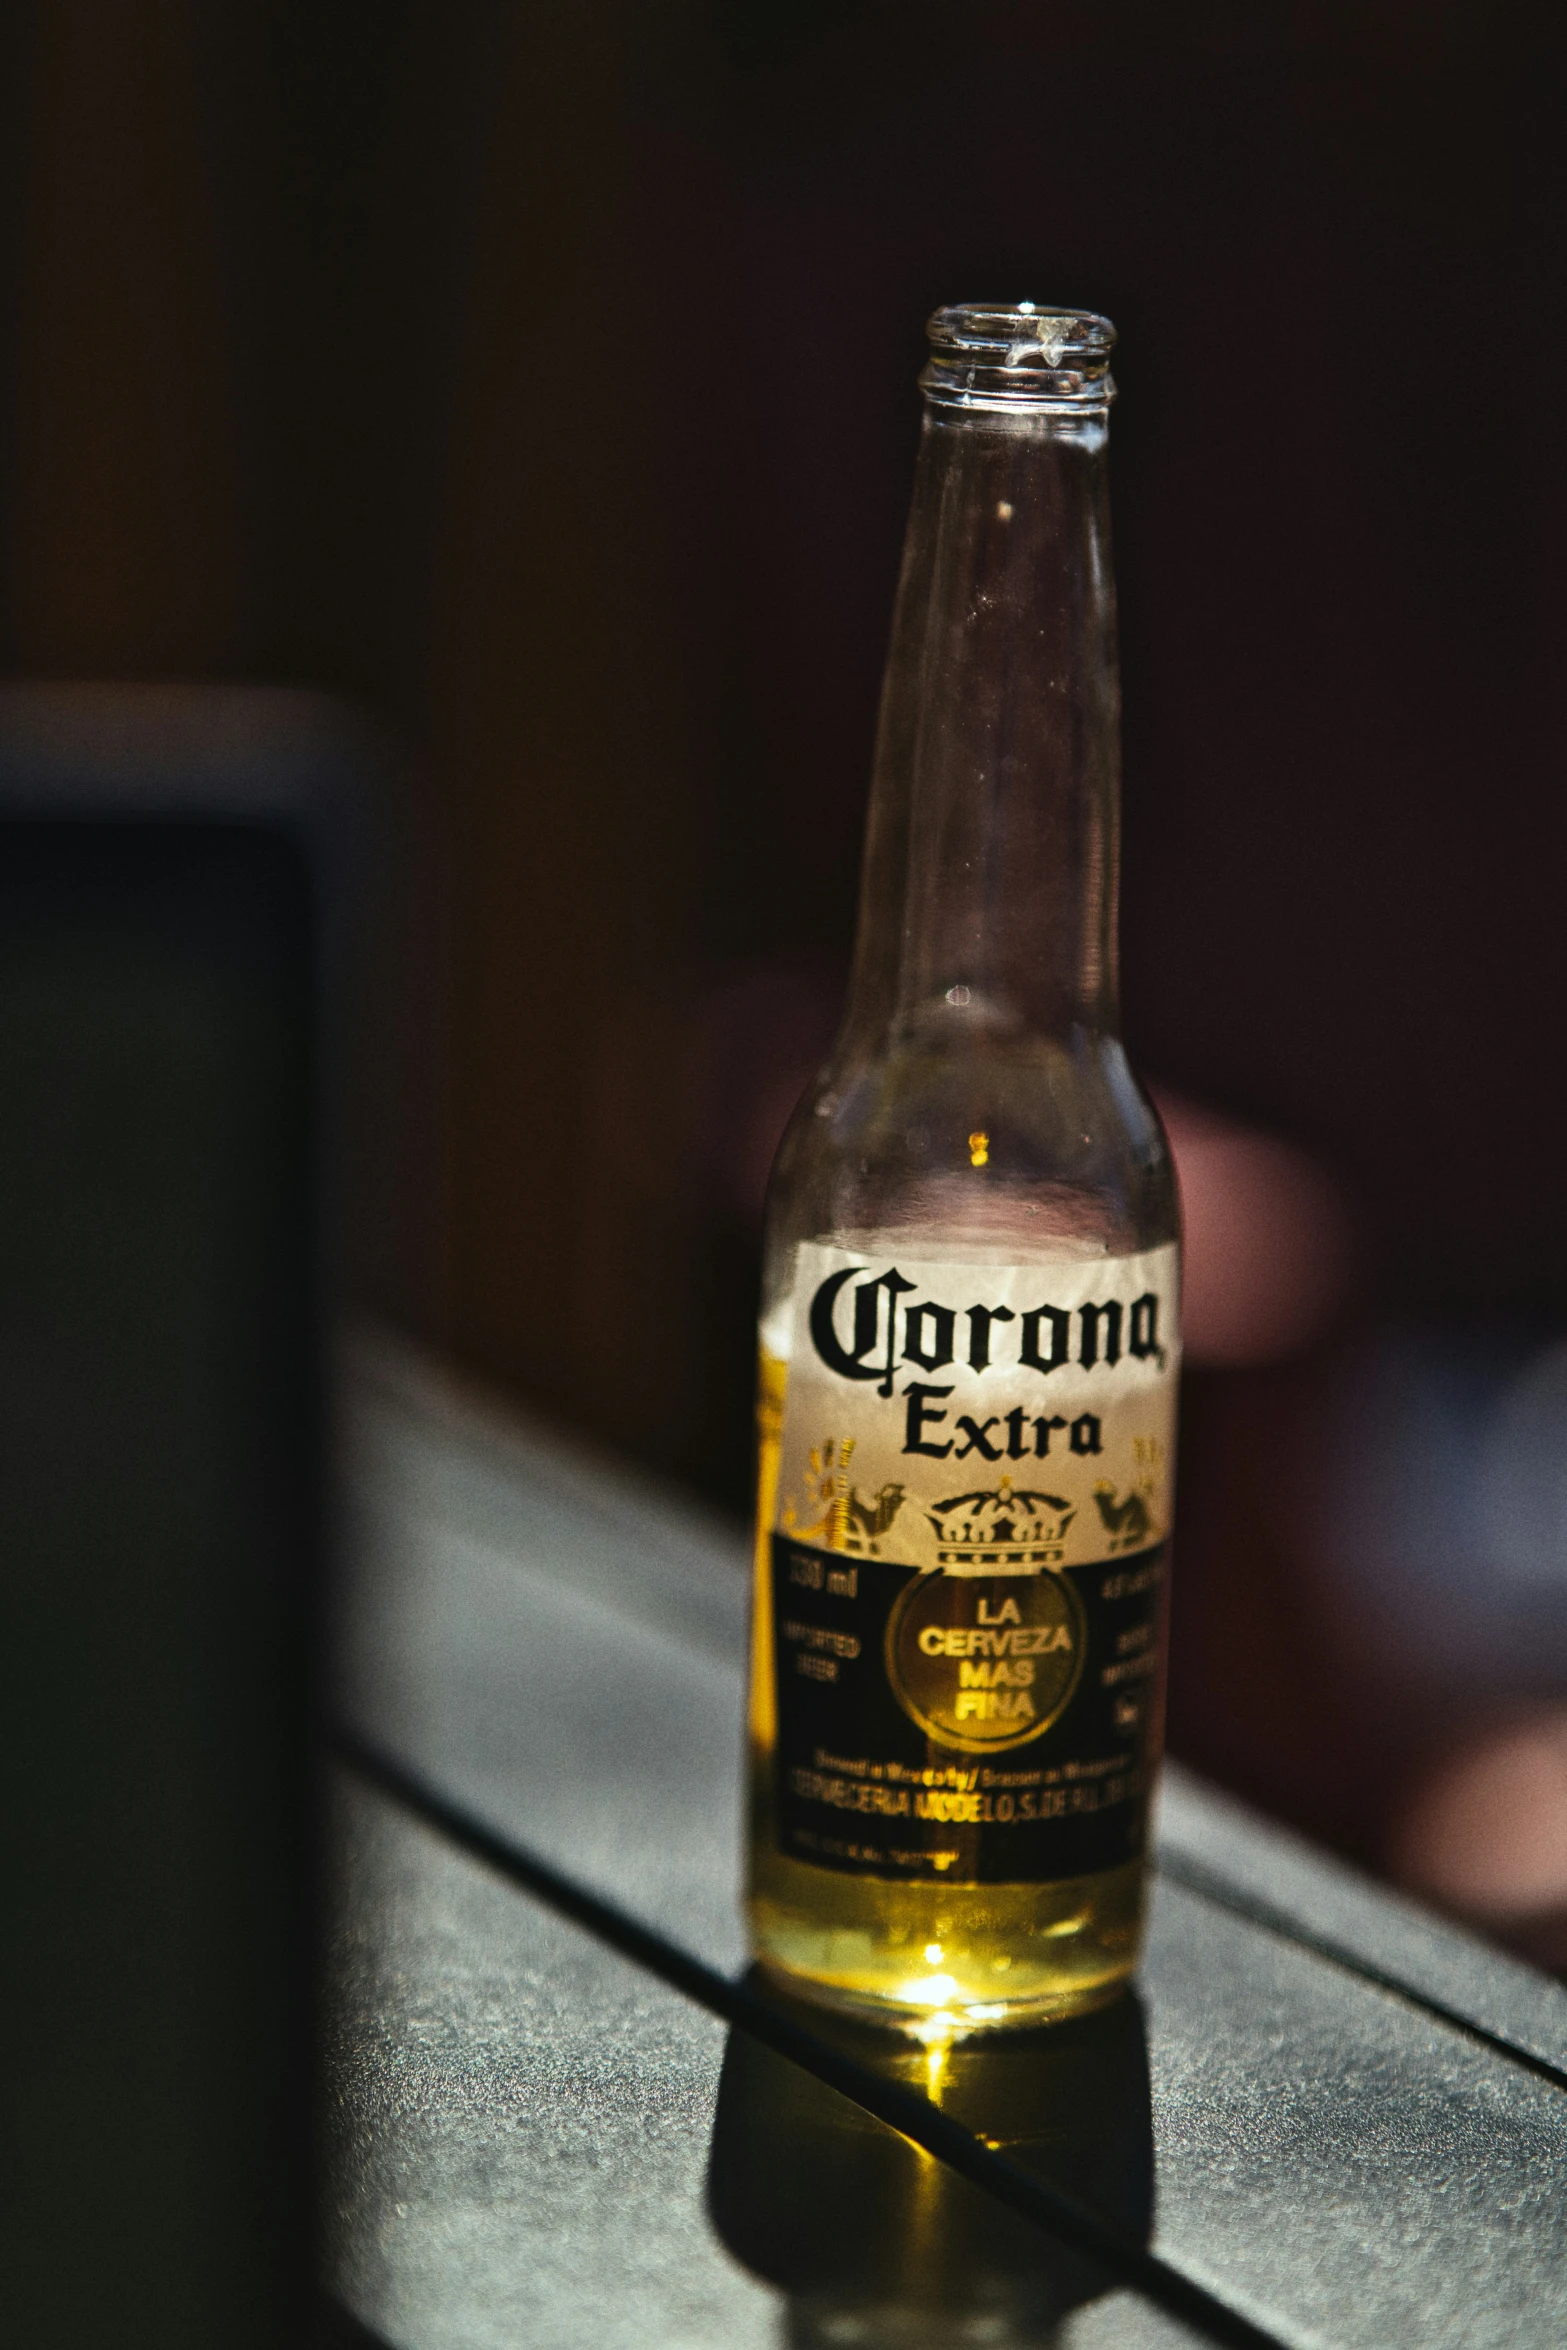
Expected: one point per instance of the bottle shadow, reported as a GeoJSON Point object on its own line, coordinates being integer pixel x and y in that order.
{"type": "Point", "coordinates": [878, 2245]}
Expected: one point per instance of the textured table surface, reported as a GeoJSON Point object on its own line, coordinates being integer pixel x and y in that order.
{"type": "Point", "coordinates": [1341, 2119]}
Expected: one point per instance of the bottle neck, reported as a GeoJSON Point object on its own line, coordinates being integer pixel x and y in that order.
{"type": "Point", "coordinates": [988, 907]}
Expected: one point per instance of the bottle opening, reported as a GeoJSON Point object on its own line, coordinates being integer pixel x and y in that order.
{"type": "Point", "coordinates": [1018, 355]}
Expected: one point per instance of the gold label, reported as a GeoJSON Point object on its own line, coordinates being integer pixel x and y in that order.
{"type": "Point", "coordinates": [985, 1665]}
{"type": "Point", "coordinates": [968, 1555]}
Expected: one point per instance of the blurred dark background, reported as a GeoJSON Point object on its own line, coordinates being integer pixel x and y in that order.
{"type": "Point", "coordinates": [542, 381]}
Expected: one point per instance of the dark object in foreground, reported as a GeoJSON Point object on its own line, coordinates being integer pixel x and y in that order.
{"type": "Point", "coordinates": [159, 1550]}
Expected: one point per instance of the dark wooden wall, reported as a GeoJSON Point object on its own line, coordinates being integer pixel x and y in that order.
{"type": "Point", "coordinates": [542, 378]}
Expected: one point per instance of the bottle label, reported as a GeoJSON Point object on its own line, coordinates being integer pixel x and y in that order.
{"type": "Point", "coordinates": [969, 1562]}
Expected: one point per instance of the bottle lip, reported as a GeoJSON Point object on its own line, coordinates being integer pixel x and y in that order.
{"type": "Point", "coordinates": [1018, 355]}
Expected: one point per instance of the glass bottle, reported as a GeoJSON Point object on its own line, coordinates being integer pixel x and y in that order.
{"type": "Point", "coordinates": [969, 1331]}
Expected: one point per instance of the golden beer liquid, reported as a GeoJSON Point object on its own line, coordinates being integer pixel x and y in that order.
{"type": "Point", "coordinates": [932, 1957]}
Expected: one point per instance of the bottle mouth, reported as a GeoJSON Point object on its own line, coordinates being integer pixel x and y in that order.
{"type": "Point", "coordinates": [1018, 355]}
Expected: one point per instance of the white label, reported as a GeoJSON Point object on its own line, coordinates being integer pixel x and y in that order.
{"type": "Point", "coordinates": [984, 1419]}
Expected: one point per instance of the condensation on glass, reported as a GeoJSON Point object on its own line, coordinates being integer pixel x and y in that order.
{"type": "Point", "coordinates": [970, 1319]}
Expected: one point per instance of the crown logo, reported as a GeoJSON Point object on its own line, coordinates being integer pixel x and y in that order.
{"type": "Point", "coordinates": [1001, 1525]}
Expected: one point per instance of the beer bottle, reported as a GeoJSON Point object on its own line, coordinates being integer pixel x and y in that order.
{"type": "Point", "coordinates": [969, 1332]}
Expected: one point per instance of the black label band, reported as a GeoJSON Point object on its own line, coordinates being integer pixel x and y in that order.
{"type": "Point", "coordinates": [976, 1729]}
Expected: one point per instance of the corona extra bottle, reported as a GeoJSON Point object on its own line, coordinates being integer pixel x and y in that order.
{"type": "Point", "coordinates": [969, 1337]}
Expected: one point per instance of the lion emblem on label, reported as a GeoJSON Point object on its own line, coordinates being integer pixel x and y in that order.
{"type": "Point", "coordinates": [847, 1521]}
{"type": "Point", "coordinates": [1128, 1522]}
